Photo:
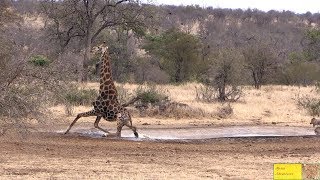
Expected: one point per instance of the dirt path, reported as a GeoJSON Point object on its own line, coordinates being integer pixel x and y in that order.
{"type": "Point", "coordinates": [47, 155]}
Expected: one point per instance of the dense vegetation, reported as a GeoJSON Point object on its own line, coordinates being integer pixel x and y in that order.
{"type": "Point", "coordinates": [181, 43]}
{"type": "Point", "coordinates": [47, 44]}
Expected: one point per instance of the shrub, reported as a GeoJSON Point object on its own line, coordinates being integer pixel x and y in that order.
{"type": "Point", "coordinates": [18, 103]}
{"type": "Point", "coordinates": [225, 111]}
{"type": "Point", "coordinates": [73, 96]}
{"type": "Point", "coordinates": [179, 110]}
{"type": "Point", "coordinates": [312, 105]}
{"type": "Point", "coordinates": [208, 93]}
{"type": "Point", "coordinates": [80, 96]}
{"type": "Point", "coordinates": [223, 76]}
{"type": "Point", "coordinates": [205, 93]}
{"type": "Point", "coordinates": [39, 60]}
{"type": "Point", "coordinates": [150, 94]}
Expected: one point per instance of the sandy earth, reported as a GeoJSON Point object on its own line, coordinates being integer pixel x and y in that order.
{"type": "Point", "coordinates": [57, 156]}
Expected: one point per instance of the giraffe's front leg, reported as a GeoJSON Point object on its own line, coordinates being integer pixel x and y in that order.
{"type": "Point", "coordinates": [73, 122]}
{"type": "Point", "coordinates": [86, 114]}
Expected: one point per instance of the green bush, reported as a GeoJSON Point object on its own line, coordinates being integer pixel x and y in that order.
{"type": "Point", "coordinates": [150, 94]}
{"type": "Point", "coordinates": [39, 60]}
{"type": "Point", "coordinates": [73, 96]}
{"type": "Point", "coordinates": [80, 96]}
{"type": "Point", "coordinates": [312, 105]}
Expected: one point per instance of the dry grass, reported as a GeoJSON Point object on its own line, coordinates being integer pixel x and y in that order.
{"type": "Point", "coordinates": [268, 106]}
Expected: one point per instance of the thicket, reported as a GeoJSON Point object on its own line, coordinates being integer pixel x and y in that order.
{"type": "Point", "coordinates": [43, 49]}
{"type": "Point", "coordinates": [311, 104]}
{"type": "Point", "coordinates": [178, 47]}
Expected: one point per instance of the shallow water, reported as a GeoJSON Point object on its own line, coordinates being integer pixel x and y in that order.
{"type": "Point", "coordinates": [203, 133]}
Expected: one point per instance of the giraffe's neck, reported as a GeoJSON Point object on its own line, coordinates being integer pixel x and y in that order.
{"type": "Point", "coordinates": [107, 88]}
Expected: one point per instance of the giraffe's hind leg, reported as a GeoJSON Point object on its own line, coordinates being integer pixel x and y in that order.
{"type": "Point", "coordinates": [96, 125]}
{"type": "Point", "coordinates": [133, 128]}
{"type": "Point", "coordinates": [86, 114]}
{"type": "Point", "coordinates": [120, 124]}
{"type": "Point", "coordinates": [124, 119]}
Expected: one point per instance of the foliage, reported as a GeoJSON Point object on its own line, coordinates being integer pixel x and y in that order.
{"type": "Point", "coordinates": [72, 21]}
{"type": "Point", "coordinates": [259, 60]}
{"type": "Point", "coordinates": [312, 46]}
{"type": "Point", "coordinates": [177, 52]}
{"type": "Point", "coordinates": [70, 96]}
{"type": "Point", "coordinates": [7, 13]}
{"type": "Point", "coordinates": [208, 93]}
{"type": "Point", "coordinates": [39, 60]}
{"type": "Point", "coordinates": [301, 72]}
{"type": "Point", "coordinates": [312, 105]}
{"type": "Point", "coordinates": [150, 94]}
{"type": "Point", "coordinates": [223, 75]}
{"type": "Point", "coordinates": [205, 93]}
{"type": "Point", "coordinates": [18, 102]}
{"type": "Point", "coordinates": [225, 111]}
{"type": "Point", "coordinates": [80, 96]}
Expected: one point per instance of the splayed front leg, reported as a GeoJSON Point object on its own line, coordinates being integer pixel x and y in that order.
{"type": "Point", "coordinates": [86, 114]}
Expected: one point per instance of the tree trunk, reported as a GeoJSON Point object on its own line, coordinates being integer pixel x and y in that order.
{"type": "Point", "coordinates": [83, 71]}
{"type": "Point", "coordinates": [177, 76]}
{"type": "Point", "coordinates": [257, 84]}
{"type": "Point", "coordinates": [222, 88]}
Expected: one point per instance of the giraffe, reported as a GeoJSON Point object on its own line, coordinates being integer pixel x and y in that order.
{"type": "Point", "coordinates": [107, 105]}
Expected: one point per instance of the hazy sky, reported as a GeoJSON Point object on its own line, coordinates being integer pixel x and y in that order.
{"type": "Point", "coordinates": [299, 6]}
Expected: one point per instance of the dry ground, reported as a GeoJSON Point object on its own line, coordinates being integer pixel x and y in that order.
{"type": "Point", "coordinates": [52, 156]}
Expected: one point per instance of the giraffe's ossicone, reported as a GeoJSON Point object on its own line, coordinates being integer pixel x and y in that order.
{"type": "Point", "coordinates": [106, 105]}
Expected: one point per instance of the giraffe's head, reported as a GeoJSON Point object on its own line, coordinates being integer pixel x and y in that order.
{"type": "Point", "coordinates": [101, 49]}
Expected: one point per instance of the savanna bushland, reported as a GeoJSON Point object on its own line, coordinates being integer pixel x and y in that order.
{"type": "Point", "coordinates": [46, 47]}
{"type": "Point", "coordinates": [175, 67]}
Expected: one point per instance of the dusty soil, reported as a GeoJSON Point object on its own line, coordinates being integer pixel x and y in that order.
{"type": "Point", "coordinates": [56, 156]}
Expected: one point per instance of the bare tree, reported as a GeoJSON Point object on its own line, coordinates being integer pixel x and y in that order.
{"type": "Point", "coordinates": [223, 75]}
{"type": "Point", "coordinates": [259, 60]}
{"type": "Point", "coordinates": [84, 20]}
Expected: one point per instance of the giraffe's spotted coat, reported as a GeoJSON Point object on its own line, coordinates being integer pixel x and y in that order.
{"type": "Point", "coordinates": [106, 105]}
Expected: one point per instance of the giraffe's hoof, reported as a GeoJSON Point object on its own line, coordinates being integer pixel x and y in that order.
{"type": "Point", "coordinates": [136, 134]}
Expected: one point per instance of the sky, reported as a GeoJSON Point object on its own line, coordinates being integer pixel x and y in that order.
{"type": "Point", "coordinates": [298, 6]}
